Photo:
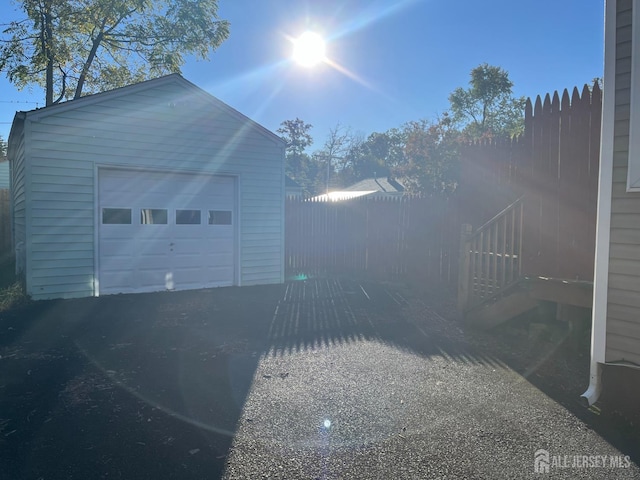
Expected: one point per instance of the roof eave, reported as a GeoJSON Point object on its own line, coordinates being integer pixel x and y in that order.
{"type": "Point", "coordinates": [17, 128]}
{"type": "Point", "coordinates": [37, 114]}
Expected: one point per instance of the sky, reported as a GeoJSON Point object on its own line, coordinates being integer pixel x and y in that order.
{"type": "Point", "coordinates": [388, 62]}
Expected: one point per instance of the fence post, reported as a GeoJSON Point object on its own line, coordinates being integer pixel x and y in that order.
{"type": "Point", "coordinates": [464, 277]}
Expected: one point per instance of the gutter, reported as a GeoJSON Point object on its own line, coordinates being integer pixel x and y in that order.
{"type": "Point", "coordinates": [603, 221]}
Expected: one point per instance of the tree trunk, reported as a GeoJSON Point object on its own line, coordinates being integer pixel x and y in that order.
{"type": "Point", "coordinates": [87, 64]}
{"type": "Point", "coordinates": [47, 39]}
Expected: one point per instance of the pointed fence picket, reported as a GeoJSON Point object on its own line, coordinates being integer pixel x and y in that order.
{"type": "Point", "coordinates": [553, 166]}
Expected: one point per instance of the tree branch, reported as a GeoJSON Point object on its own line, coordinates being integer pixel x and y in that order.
{"type": "Point", "coordinates": [64, 85]}
{"type": "Point", "coordinates": [87, 63]}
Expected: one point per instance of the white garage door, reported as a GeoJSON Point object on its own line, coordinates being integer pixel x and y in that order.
{"type": "Point", "coordinates": [165, 231]}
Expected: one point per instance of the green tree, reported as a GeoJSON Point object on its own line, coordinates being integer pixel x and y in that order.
{"type": "Point", "coordinates": [387, 150]}
{"type": "Point", "coordinates": [488, 107]}
{"type": "Point", "coordinates": [377, 155]}
{"type": "Point", "coordinates": [3, 148]}
{"type": "Point", "coordinates": [430, 163]}
{"type": "Point", "coordinates": [296, 135]}
{"type": "Point", "coordinates": [74, 47]}
{"type": "Point", "coordinates": [299, 165]}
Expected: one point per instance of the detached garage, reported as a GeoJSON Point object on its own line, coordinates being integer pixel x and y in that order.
{"type": "Point", "coordinates": [155, 186]}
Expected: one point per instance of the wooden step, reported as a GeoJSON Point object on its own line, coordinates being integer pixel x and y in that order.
{"type": "Point", "coordinates": [525, 295]}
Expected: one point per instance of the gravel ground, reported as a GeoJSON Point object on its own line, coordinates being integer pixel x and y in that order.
{"type": "Point", "coordinates": [311, 380]}
{"type": "Point", "coordinates": [412, 397]}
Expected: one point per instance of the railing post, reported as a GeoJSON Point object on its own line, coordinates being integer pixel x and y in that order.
{"type": "Point", "coordinates": [464, 275]}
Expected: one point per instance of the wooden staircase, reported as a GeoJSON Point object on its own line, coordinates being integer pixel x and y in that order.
{"type": "Point", "coordinates": [496, 282]}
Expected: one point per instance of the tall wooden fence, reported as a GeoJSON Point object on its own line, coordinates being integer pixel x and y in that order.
{"type": "Point", "coordinates": [554, 167]}
{"type": "Point", "coordinates": [380, 238]}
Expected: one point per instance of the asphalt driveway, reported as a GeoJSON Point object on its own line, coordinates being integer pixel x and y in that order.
{"type": "Point", "coordinates": [314, 379]}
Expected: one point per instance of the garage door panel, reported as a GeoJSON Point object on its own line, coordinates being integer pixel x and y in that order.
{"type": "Point", "coordinates": [151, 255]}
{"type": "Point", "coordinates": [117, 256]}
{"type": "Point", "coordinates": [118, 246]}
{"type": "Point", "coordinates": [219, 274]}
{"type": "Point", "coordinates": [226, 244]}
{"type": "Point", "coordinates": [152, 263]}
{"type": "Point", "coordinates": [187, 261]}
{"type": "Point", "coordinates": [118, 263]}
{"type": "Point", "coordinates": [221, 248]}
{"type": "Point", "coordinates": [190, 245]}
{"type": "Point", "coordinates": [116, 282]}
{"type": "Point", "coordinates": [118, 241]}
{"type": "Point", "coordinates": [154, 277]}
{"type": "Point", "coordinates": [186, 280]}
{"type": "Point", "coordinates": [220, 233]}
{"type": "Point", "coordinates": [149, 199]}
{"type": "Point", "coordinates": [188, 232]}
{"type": "Point", "coordinates": [190, 273]}
{"type": "Point", "coordinates": [154, 248]}
{"type": "Point", "coordinates": [195, 278]}
{"type": "Point", "coordinates": [217, 260]}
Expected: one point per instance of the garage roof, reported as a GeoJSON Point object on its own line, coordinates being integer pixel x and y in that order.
{"type": "Point", "coordinates": [173, 78]}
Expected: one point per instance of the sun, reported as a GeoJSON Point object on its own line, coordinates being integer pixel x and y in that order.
{"type": "Point", "coordinates": [309, 49]}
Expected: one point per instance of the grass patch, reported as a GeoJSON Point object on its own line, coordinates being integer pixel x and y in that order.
{"type": "Point", "coordinates": [12, 292]}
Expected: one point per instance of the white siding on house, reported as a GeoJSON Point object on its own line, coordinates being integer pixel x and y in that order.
{"type": "Point", "coordinates": [632, 102]}
{"type": "Point", "coordinates": [17, 184]}
{"type": "Point", "coordinates": [4, 175]}
{"type": "Point", "coordinates": [172, 126]}
{"type": "Point", "coordinates": [623, 307]}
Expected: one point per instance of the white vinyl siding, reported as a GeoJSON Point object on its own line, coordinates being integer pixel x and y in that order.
{"type": "Point", "coordinates": [18, 217]}
{"type": "Point", "coordinates": [623, 306]}
{"type": "Point", "coordinates": [173, 126]}
{"type": "Point", "coordinates": [629, 42]}
{"type": "Point", "coordinates": [4, 175]}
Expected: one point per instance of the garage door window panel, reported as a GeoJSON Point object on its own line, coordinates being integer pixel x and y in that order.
{"type": "Point", "coordinates": [154, 216]}
{"type": "Point", "coordinates": [116, 216]}
{"type": "Point", "coordinates": [188, 217]}
{"type": "Point", "coordinates": [220, 217]}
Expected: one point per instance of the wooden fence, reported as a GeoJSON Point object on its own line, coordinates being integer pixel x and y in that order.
{"type": "Point", "coordinates": [552, 170]}
{"type": "Point", "coordinates": [554, 167]}
{"type": "Point", "coordinates": [381, 238]}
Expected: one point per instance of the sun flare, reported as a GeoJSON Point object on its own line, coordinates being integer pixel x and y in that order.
{"type": "Point", "coordinates": [309, 49]}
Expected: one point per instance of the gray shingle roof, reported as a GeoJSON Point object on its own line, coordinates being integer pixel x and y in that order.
{"type": "Point", "coordinates": [376, 184]}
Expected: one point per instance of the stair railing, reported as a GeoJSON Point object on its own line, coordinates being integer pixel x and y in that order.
{"type": "Point", "coordinates": [491, 257]}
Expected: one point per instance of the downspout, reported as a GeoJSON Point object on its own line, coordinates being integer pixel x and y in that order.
{"type": "Point", "coordinates": [603, 221]}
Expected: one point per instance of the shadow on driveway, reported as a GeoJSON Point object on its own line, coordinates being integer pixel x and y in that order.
{"type": "Point", "coordinates": [154, 385]}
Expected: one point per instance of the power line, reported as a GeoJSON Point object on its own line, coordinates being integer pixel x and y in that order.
{"type": "Point", "coordinates": [19, 101]}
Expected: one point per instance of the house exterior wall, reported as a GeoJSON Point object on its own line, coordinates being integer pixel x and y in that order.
{"type": "Point", "coordinates": [172, 126]}
{"type": "Point", "coordinates": [17, 185]}
{"type": "Point", "coordinates": [4, 175]}
{"type": "Point", "coordinates": [623, 305]}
